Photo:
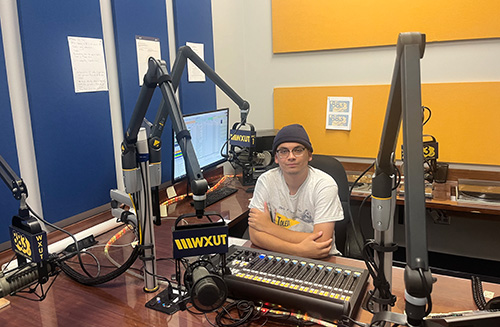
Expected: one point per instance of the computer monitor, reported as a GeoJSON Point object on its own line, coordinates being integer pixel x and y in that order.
{"type": "Point", "coordinates": [209, 133]}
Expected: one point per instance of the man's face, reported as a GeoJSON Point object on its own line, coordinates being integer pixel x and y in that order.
{"type": "Point", "coordinates": [292, 157]}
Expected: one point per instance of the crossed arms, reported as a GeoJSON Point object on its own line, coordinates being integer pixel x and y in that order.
{"type": "Point", "coordinates": [267, 235]}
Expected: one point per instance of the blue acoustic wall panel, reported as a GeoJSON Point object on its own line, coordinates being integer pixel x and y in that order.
{"type": "Point", "coordinates": [141, 18]}
{"type": "Point", "coordinates": [8, 205]}
{"type": "Point", "coordinates": [193, 23]}
{"type": "Point", "coordinates": [71, 131]}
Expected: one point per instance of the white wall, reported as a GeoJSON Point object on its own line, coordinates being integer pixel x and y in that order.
{"type": "Point", "coordinates": [244, 58]}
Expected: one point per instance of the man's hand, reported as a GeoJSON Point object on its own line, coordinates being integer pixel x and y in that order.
{"type": "Point", "coordinates": [260, 220]}
{"type": "Point", "coordinates": [311, 248]}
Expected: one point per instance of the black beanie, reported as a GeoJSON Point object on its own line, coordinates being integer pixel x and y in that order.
{"type": "Point", "coordinates": [292, 133]}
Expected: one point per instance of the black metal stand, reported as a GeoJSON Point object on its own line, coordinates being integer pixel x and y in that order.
{"type": "Point", "coordinates": [404, 105]}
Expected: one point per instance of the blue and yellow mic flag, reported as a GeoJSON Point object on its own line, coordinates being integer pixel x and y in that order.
{"type": "Point", "coordinates": [243, 138]}
{"type": "Point", "coordinates": [196, 241]}
{"type": "Point", "coordinates": [28, 245]}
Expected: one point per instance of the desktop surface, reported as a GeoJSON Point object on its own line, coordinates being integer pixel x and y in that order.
{"type": "Point", "coordinates": [233, 208]}
{"type": "Point", "coordinates": [122, 301]}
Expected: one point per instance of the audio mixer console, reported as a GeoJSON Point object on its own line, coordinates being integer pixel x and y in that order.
{"type": "Point", "coordinates": [321, 289]}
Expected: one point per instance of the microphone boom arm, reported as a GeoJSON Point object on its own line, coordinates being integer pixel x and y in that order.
{"type": "Point", "coordinates": [141, 153]}
{"type": "Point", "coordinates": [185, 53]}
{"type": "Point", "coordinates": [15, 184]}
{"type": "Point", "coordinates": [404, 105]}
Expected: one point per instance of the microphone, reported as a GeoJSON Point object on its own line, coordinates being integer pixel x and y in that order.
{"type": "Point", "coordinates": [209, 291]}
{"type": "Point", "coordinates": [244, 109]}
{"type": "Point", "coordinates": [258, 158]}
{"type": "Point", "coordinates": [18, 279]}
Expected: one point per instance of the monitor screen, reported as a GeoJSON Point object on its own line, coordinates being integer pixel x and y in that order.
{"type": "Point", "coordinates": [209, 133]}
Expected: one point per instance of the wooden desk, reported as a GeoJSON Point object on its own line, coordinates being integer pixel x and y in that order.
{"type": "Point", "coordinates": [461, 237]}
{"type": "Point", "coordinates": [234, 209]}
{"type": "Point", "coordinates": [121, 302]}
{"type": "Point", "coordinates": [453, 176]}
{"type": "Point", "coordinates": [459, 206]}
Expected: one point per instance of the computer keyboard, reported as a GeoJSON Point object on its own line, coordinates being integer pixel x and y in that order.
{"type": "Point", "coordinates": [218, 194]}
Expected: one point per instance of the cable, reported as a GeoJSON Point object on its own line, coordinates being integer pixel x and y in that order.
{"type": "Point", "coordinates": [398, 178]}
{"type": "Point", "coordinates": [360, 176]}
{"type": "Point", "coordinates": [97, 263]}
{"type": "Point", "coordinates": [181, 197]}
{"type": "Point", "coordinates": [424, 108]}
{"type": "Point", "coordinates": [77, 247]}
{"type": "Point", "coordinates": [226, 144]}
{"type": "Point", "coordinates": [429, 300]}
{"type": "Point", "coordinates": [380, 283]}
{"type": "Point", "coordinates": [146, 222]}
{"type": "Point", "coordinates": [110, 243]}
{"type": "Point", "coordinates": [352, 321]}
{"type": "Point", "coordinates": [294, 318]}
{"type": "Point", "coordinates": [477, 292]}
{"type": "Point", "coordinates": [92, 281]}
{"type": "Point", "coordinates": [246, 313]}
{"type": "Point", "coordinates": [101, 279]}
{"type": "Point", "coordinates": [4, 269]}
{"type": "Point", "coordinates": [355, 231]}
{"type": "Point", "coordinates": [382, 287]}
{"type": "Point", "coordinates": [363, 235]}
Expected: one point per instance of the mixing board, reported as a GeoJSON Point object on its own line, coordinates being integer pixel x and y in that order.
{"type": "Point", "coordinates": [321, 289]}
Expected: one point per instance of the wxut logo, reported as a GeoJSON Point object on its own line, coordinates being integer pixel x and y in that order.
{"type": "Point", "coordinates": [22, 244]}
{"type": "Point", "coordinates": [429, 151]}
{"type": "Point", "coordinates": [200, 242]}
{"type": "Point", "coordinates": [41, 245]}
{"type": "Point", "coordinates": [241, 138]}
{"type": "Point", "coordinates": [283, 221]}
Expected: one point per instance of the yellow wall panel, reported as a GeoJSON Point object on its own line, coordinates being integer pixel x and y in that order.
{"type": "Point", "coordinates": [465, 119]}
{"type": "Point", "coordinates": [308, 25]}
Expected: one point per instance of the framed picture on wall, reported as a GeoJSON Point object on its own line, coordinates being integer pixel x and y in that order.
{"type": "Point", "coordinates": [338, 113]}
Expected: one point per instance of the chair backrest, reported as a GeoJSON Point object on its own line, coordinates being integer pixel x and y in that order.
{"type": "Point", "coordinates": [334, 168]}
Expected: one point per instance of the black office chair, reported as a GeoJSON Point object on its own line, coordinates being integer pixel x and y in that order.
{"type": "Point", "coordinates": [344, 237]}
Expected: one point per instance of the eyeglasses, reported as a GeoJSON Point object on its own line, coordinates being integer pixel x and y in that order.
{"type": "Point", "coordinates": [283, 153]}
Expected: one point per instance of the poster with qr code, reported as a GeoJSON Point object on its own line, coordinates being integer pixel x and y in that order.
{"type": "Point", "coordinates": [338, 113]}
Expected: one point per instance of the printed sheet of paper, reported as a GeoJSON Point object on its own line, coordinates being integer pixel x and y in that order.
{"type": "Point", "coordinates": [194, 73]}
{"type": "Point", "coordinates": [87, 63]}
{"type": "Point", "coordinates": [146, 47]}
{"type": "Point", "coordinates": [338, 113]}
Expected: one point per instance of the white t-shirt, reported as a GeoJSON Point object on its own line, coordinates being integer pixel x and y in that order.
{"type": "Point", "coordinates": [316, 201]}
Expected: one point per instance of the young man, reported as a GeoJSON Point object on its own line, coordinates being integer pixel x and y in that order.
{"type": "Point", "coordinates": [295, 206]}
